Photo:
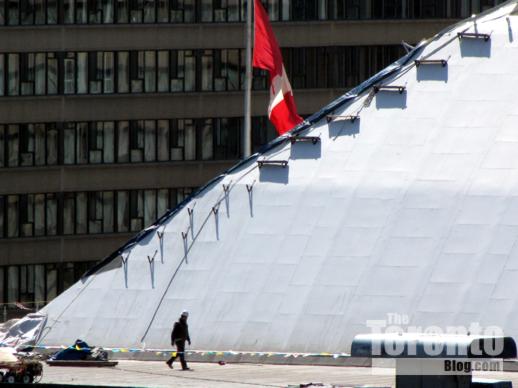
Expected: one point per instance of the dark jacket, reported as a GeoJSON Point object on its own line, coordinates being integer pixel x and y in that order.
{"type": "Point", "coordinates": [180, 332]}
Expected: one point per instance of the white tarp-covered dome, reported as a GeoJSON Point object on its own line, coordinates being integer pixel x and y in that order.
{"type": "Point", "coordinates": [410, 209]}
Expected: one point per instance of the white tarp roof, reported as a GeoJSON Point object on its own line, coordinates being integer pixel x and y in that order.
{"type": "Point", "coordinates": [412, 209]}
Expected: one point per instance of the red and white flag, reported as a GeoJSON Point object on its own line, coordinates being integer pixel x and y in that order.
{"type": "Point", "coordinates": [282, 111]}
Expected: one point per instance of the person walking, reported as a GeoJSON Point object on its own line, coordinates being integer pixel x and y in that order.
{"type": "Point", "coordinates": [179, 335]}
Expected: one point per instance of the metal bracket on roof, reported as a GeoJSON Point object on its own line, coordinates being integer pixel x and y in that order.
{"type": "Point", "coordinates": [408, 47]}
{"type": "Point", "coordinates": [351, 118]}
{"type": "Point", "coordinates": [152, 259]}
{"type": "Point", "coordinates": [191, 218]}
{"type": "Point", "coordinates": [389, 88]}
{"type": "Point", "coordinates": [215, 210]}
{"type": "Point", "coordinates": [250, 187]}
{"type": "Point", "coordinates": [473, 35]}
{"type": "Point", "coordinates": [273, 163]}
{"type": "Point", "coordinates": [185, 248]}
{"type": "Point", "coordinates": [161, 243]}
{"type": "Point", "coordinates": [125, 265]}
{"type": "Point", "coordinates": [124, 260]}
{"type": "Point", "coordinates": [302, 139]}
{"type": "Point", "coordinates": [442, 62]}
{"type": "Point", "coordinates": [226, 188]}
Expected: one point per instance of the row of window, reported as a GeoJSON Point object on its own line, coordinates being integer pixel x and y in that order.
{"type": "Point", "coordinates": [37, 284]}
{"type": "Point", "coordinates": [51, 214]}
{"type": "Point", "coordinates": [136, 141]}
{"type": "Point", "coordinates": [166, 71]}
{"type": "Point", "coordinates": [40, 12]}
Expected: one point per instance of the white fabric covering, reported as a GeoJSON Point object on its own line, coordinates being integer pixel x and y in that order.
{"type": "Point", "coordinates": [413, 209]}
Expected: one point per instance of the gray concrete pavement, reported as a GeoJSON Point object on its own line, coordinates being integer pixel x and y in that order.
{"type": "Point", "coordinates": [156, 374]}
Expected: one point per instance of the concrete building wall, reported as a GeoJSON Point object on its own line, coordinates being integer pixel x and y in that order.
{"type": "Point", "coordinates": [215, 35]}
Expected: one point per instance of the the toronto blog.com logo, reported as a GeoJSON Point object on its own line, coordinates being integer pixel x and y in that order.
{"type": "Point", "coordinates": [433, 350]}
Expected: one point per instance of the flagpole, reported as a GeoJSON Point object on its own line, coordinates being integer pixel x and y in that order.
{"type": "Point", "coordinates": [247, 128]}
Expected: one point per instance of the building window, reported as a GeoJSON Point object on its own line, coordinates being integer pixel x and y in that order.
{"type": "Point", "coordinates": [34, 285]}
{"type": "Point", "coordinates": [27, 145]}
{"type": "Point", "coordinates": [100, 212]}
{"type": "Point", "coordinates": [70, 73]}
{"type": "Point", "coordinates": [13, 74]}
{"type": "Point", "coordinates": [163, 11]}
{"type": "Point", "coordinates": [81, 213]}
{"type": "Point", "coordinates": [184, 140]}
{"type": "Point", "coordinates": [51, 281]}
{"type": "Point", "coordinates": [2, 146]}
{"type": "Point", "coordinates": [52, 11]}
{"type": "Point", "coordinates": [31, 215]}
{"type": "Point", "coordinates": [263, 131]}
{"type": "Point", "coordinates": [52, 73]}
{"type": "Point", "coordinates": [2, 216]}
{"type": "Point", "coordinates": [123, 71]}
{"type": "Point", "coordinates": [39, 12]}
{"type": "Point", "coordinates": [136, 136]}
{"type": "Point", "coordinates": [52, 143]}
{"type": "Point", "coordinates": [13, 145]}
{"type": "Point", "coordinates": [50, 214]}
{"type": "Point", "coordinates": [227, 139]}
{"type": "Point", "coordinates": [106, 142]}
{"type": "Point", "coordinates": [100, 11]}
{"type": "Point", "coordinates": [163, 71]}
{"type": "Point", "coordinates": [2, 74]}
{"type": "Point", "coordinates": [69, 211]}
{"type": "Point", "coordinates": [136, 71]}
{"type": "Point", "coordinates": [136, 11]}
{"type": "Point", "coordinates": [150, 71]}
{"type": "Point", "coordinates": [12, 216]}
{"type": "Point", "coordinates": [101, 72]}
{"type": "Point", "coordinates": [82, 143]}
{"type": "Point", "coordinates": [13, 283]}
{"type": "Point", "coordinates": [122, 211]}
{"type": "Point", "coordinates": [107, 72]}
{"type": "Point", "coordinates": [163, 140]}
{"type": "Point", "coordinates": [150, 207]}
{"type": "Point", "coordinates": [69, 143]}
{"type": "Point", "coordinates": [183, 11]}
{"type": "Point", "coordinates": [13, 12]}
{"type": "Point", "coordinates": [68, 11]}
{"type": "Point", "coordinates": [32, 12]}
{"type": "Point", "coordinates": [183, 71]}
{"type": "Point", "coordinates": [136, 208]}
{"type": "Point", "coordinates": [95, 212]}
{"type": "Point", "coordinates": [27, 76]}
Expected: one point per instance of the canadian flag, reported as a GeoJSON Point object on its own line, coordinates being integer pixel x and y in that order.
{"type": "Point", "coordinates": [282, 111]}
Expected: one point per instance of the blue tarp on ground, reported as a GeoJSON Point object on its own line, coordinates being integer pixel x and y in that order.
{"type": "Point", "coordinates": [79, 351]}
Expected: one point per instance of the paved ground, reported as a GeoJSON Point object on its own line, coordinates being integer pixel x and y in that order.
{"type": "Point", "coordinates": [156, 374]}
